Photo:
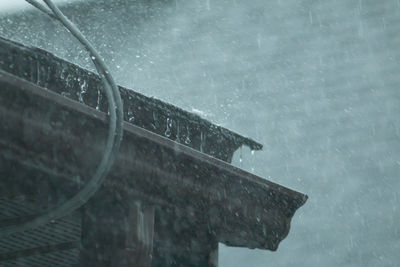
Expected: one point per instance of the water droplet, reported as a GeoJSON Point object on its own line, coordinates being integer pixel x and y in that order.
{"type": "Point", "coordinates": [131, 118]}
{"type": "Point", "coordinates": [83, 91]}
{"type": "Point", "coordinates": [155, 120]}
{"type": "Point", "coordinates": [68, 80]}
{"type": "Point", "coordinates": [240, 157]}
{"type": "Point", "coordinates": [168, 130]}
{"type": "Point", "coordinates": [99, 98]}
{"type": "Point", "coordinates": [187, 139]}
{"type": "Point", "coordinates": [202, 141]}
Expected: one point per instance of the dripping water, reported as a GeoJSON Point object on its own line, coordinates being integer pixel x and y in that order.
{"type": "Point", "coordinates": [99, 99]}
{"type": "Point", "coordinates": [187, 139]}
{"type": "Point", "coordinates": [168, 129]}
{"type": "Point", "coordinates": [131, 117]}
{"type": "Point", "coordinates": [83, 90]}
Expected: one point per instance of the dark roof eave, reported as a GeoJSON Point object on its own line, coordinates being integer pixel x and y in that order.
{"type": "Point", "coordinates": [58, 75]}
{"type": "Point", "coordinates": [242, 209]}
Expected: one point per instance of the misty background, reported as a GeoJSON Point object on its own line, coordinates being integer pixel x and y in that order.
{"type": "Point", "coordinates": [316, 82]}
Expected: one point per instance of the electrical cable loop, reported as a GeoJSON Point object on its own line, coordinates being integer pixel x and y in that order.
{"type": "Point", "coordinates": [115, 130]}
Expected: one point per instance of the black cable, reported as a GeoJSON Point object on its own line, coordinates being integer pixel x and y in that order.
{"type": "Point", "coordinates": [41, 8]}
{"type": "Point", "coordinates": [115, 131]}
{"type": "Point", "coordinates": [98, 62]}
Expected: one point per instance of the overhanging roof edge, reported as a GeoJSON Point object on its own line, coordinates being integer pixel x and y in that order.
{"type": "Point", "coordinates": [246, 194]}
{"type": "Point", "coordinates": [35, 58]}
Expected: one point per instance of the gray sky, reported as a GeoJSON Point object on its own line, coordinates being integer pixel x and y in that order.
{"type": "Point", "coordinates": [13, 5]}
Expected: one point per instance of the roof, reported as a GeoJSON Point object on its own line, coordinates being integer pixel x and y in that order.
{"type": "Point", "coordinates": [74, 82]}
{"type": "Point", "coordinates": [50, 109]}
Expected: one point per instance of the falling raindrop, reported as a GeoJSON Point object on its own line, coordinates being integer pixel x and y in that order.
{"type": "Point", "coordinates": [252, 161]}
{"type": "Point", "coordinates": [68, 80]}
{"type": "Point", "coordinates": [83, 90]}
{"type": "Point", "coordinates": [155, 120]}
{"type": "Point", "coordinates": [241, 157]}
{"type": "Point", "coordinates": [169, 125]}
{"type": "Point", "coordinates": [202, 141]}
{"type": "Point", "coordinates": [187, 139]}
{"type": "Point", "coordinates": [99, 98]}
{"type": "Point", "coordinates": [131, 117]}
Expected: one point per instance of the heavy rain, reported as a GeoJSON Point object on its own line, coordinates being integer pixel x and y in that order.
{"type": "Point", "coordinates": [315, 82]}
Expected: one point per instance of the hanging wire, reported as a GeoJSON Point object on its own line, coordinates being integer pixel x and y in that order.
{"type": "Point", "coordinates": [115, 130]}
